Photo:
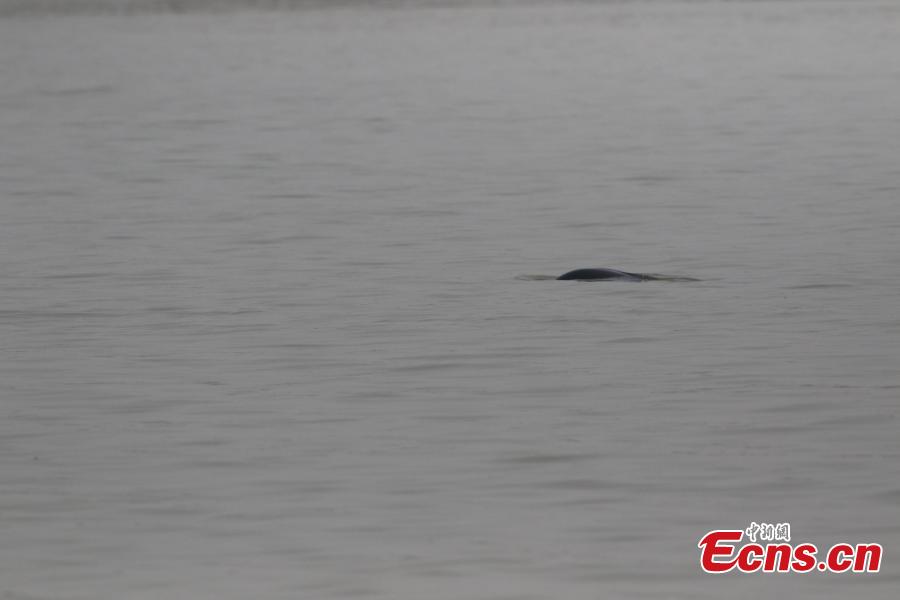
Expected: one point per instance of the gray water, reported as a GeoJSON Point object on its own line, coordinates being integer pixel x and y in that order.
{"type": "Point", "coordinates": [276, 324]}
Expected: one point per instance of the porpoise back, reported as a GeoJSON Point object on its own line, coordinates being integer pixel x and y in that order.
{"type": "Point", "coordinates": [599, 274]}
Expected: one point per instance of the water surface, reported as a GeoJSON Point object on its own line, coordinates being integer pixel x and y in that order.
{"type": "Point", "coordinates": [265, 330]}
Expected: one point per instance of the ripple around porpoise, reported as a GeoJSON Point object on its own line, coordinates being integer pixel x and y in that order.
{"type": "Point", "coordinates": [536, 277]}
{"type": "Point", "coordinates": [644, 276]}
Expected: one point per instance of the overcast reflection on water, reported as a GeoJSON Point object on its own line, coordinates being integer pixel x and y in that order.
{"type": "Point", "coordinates": [279, 317]}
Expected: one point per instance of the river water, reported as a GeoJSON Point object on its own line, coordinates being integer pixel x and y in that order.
{"type": "Point", "coordinates": [275, 320]}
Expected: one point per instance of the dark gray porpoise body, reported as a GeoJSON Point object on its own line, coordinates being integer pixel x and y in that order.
{"type": "Point", "coordinates": [598, 274]}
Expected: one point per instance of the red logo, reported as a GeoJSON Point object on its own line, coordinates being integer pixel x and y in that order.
{"type": "Point", "coordinates": [720, 553]}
